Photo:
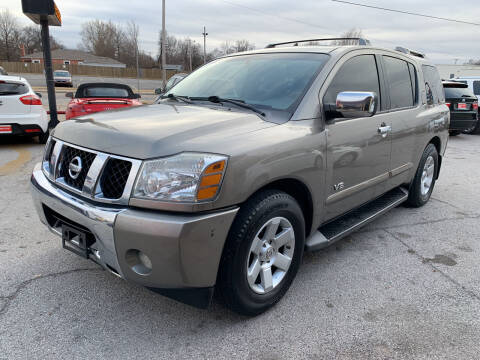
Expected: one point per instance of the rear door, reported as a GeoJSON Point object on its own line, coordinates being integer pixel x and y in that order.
{"type": "Point", "coordinates": [358, 156]}
{"type": "Point", "coordinates": [401, 83]}
{"type": "Point", "coordinates": [10, 94]}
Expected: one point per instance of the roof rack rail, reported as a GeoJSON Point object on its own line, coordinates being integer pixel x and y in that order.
{"type": "Point", "coordinates": [410, 52]}
{"type": "Point", "coordinates": [361, 41]}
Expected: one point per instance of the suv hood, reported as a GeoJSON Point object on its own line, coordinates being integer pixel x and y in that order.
{"type": "Point", "coordinates": [161, 129]}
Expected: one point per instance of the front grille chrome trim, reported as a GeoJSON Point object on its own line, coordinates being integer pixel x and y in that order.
{"type": "Point", "coordinates": [91, 188]}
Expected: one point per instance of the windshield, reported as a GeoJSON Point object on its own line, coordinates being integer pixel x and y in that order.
{"type": "Point", "coordinates": [61, 73]}
{"type": "Point", "coordinates": [456, 92]}
{"type": "Point", "coordinates": [274, 81]}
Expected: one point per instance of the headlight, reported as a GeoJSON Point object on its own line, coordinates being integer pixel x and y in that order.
{"type": "Point", "coordinates": [187, 177]}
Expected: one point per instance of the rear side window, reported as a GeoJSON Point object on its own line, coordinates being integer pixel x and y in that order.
{"type": "Point", "coordinates": [357, 74]}
{"type": "Point", "coordinates": [400, 83]}
{"type": "Point", "coordinates": [433, 85]}
{"type": "Point", "coordinates": [7, 88]}
{"type": "Point", "coordinates": [476, 87]}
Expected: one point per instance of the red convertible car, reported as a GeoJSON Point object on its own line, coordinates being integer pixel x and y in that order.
{"type": "Point", "coordinates": [94, 97]}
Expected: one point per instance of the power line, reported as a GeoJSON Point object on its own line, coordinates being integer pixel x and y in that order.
{"type": "Point", "coordinates": [274, 15]}
{"type": "Point", "coordinates": [407, 12]}
{"type": "Point", "coordinates": [394, 43]}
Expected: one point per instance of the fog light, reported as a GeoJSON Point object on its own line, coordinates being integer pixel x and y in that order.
{"type": "Point", "coordinates": [145, 260]}
{"type": "Point", "coordinates": [139, 262]}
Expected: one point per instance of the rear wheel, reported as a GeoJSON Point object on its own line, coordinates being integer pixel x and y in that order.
{"type": "Point", "coordinates": [262, 253]}
{"type": "Point", "coordinates": [424, 181]}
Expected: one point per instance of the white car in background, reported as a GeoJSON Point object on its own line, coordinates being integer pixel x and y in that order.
{"type": "Point", "coordinates": [62, 78]}
{"type": "Point", "coordinates": [473, 83]}
{"type": "Point", "coordinates": [21, 109]}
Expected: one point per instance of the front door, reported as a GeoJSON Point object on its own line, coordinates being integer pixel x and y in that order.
{"type": "Point", "coordinates": [358, 154]}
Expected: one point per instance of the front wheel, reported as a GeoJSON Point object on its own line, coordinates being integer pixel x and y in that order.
{"type": "Point", "coordinates": [262, 253]}
{"type": "Point", "coordinates": [424, 181]}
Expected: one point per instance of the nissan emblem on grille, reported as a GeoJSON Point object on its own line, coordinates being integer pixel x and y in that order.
{"type": "Point", "coordinates": [75, 167]}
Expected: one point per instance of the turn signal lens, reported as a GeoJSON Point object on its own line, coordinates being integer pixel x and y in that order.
{"type": "Point", "coordinates": [210, 180]}
{"type": "Point", "coordinates": [215, 168]}
{"type": "Point", "coordinates": [207, 193]}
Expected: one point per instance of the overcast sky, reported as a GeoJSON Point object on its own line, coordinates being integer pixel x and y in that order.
{"type": "Point", "coordinates": [265, 21]}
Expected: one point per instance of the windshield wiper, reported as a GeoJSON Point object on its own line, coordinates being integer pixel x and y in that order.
{"type": "Point", "coordinates": [185, 99]}
{"type": "Point", "coordinates": [239, 103]}
{"type": "Point", "coordinates": [8, 92]}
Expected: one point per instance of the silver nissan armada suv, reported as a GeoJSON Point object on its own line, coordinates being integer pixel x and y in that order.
{"type": "Point", "coordinates": [251, 160]}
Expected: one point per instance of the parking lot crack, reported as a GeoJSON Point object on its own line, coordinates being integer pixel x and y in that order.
{"type": "Point", "coordinates": [471, 216]}
{"type": "Point", "coordinates": [429, 263]}
{"type": "Point", "coordinates": [10, 298]}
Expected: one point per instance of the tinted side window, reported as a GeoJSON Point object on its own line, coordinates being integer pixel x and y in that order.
{"type": "Point", "coordinates": [414, 79]}
{"type": "Point", "coordinates": [7, 88]}
{"type": "Point", "coordinates": [357, 74]}
{"type": "Point", "coordinates": [476, 87]}
{"type": "Point", "coordinates": [399, 83]}
{"type": "Point", "coordinates": [433, 82]}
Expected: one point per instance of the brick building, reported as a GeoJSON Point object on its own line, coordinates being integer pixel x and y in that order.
{"type": "Point", "coordinates": [73, 57]}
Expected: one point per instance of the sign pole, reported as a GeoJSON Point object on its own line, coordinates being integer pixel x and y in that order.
{"type": "Point", "coordinates": [47, 59]}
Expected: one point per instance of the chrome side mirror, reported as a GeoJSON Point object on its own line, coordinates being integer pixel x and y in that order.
{"type": "Point", "coordinates": [355, 104]}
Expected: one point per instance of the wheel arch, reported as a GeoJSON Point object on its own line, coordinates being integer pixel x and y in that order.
{"type": "Point", "coordinates": [300, 192]}
{"type": "Point", "coordinates": [438, 145]}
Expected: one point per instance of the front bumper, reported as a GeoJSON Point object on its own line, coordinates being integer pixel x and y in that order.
{"type": "Point", "coordinates": [184, 249]}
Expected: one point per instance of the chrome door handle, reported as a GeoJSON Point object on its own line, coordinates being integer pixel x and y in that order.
{"type": "Point", "coordinates": [384, 130]}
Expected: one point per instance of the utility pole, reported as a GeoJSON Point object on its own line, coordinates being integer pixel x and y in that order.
{"type": "Point", "coordinates": [204, 45]}
{"type": "Point", "coordinates": [164, 58]}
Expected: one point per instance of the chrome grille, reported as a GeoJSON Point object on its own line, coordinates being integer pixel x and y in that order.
{"type": "Point", "coordinates": [68, 154]}
{"type": "Point", "coordinates": [102, 177]}
{"type": "Point", "coordinates": [115, 177]}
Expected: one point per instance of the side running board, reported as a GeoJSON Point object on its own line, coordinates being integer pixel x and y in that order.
{"type": "Point", "coordinates": [335, 230]}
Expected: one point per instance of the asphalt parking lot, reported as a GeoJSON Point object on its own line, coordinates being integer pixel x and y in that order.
{"type": "Point", "coordinates": [407, 286]}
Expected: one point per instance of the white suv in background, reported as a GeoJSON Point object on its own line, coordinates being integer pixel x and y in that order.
{"type": "Point", "coordinates": [21, 109]}
{"type": "Point", "coordinates": [473, 83]}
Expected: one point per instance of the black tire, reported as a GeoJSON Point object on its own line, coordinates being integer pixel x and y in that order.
{"type": "Point", "coordinates": [232, 283]}
{"type": "Point", "coordinates": [42, 139]}
{"type": "Point", "coordinates": [454, 132]}
{"type": "Point", "coordinates": [415, 196]}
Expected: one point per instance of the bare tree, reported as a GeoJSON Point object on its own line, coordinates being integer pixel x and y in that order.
{"type": "Point", "coordinates": [243, 45]}
{"type": "Point", "coordinates": [31, 39]}
{"type": "Point", "coordinates": [9, 36]}
{"type": "Point", "coordinates": [227, 48]}
{"type": "Point", "coordinates": [473, 62]}
{"type": "Point", "coordinates": [352, 33]}
{"type": "Point", "coordinates": [98, 37]}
